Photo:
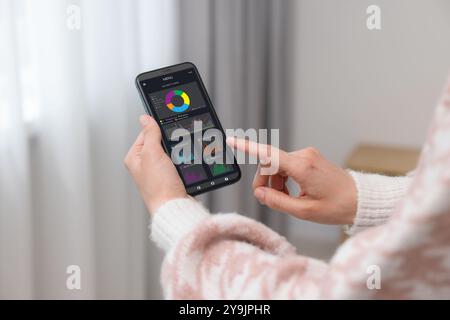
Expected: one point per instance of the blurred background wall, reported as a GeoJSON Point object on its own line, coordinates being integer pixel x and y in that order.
{"type": "Point", "coordinates": [352, 85]}
{"type": "Point", "coordinates": [69, 110]}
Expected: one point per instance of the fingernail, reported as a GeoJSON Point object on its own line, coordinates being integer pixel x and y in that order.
{"type": "Point", "coordinates": [259, 194]}
{"type": "Point", "coordinates": [144, 120]}
{"type": "Point", "coordinates": [264, 161]}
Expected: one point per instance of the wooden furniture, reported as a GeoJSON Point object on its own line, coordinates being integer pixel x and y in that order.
{"type": "Point", "coordinates": [387, 160]}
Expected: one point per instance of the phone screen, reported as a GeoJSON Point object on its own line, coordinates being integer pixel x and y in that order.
{"type": "Point", "coordinates": [177, 99]}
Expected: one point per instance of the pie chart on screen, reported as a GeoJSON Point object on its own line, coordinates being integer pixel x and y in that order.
{"type": "Point", "coordinates": [177, 101]}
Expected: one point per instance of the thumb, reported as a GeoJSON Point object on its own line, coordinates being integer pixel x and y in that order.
{"type": "Point", "coordinates": [151, 134]}
{"type": "Point", "coordinates": [146, 120]}
{"type": "Point", "coordinates": [280, 201]}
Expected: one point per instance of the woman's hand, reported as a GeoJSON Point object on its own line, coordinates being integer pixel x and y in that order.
{"type": "Point", "coordinates": [328, 193]}
{"type": "Point", "coordinates": [151, 168]}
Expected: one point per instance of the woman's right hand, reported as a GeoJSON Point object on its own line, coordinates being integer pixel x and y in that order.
{"type": "Point", "coordinates": [328, 193]}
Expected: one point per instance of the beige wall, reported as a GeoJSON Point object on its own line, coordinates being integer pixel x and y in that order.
{"type": "Point", "coordinates": [353, 85]}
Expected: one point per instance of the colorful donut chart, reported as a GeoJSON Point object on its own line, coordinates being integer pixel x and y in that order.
{"type": "Point", "coordinates": [183, 95]}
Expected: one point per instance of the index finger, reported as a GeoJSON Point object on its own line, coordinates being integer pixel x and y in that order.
{"type": "Point", "coordinates": [268, 155]}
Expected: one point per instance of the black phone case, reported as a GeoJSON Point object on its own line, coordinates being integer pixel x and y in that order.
{"type": "Point", "coordinates": [213, 113]}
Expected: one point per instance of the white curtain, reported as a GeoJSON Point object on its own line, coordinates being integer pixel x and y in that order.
{"type": "Point", "coordinates": [68, 113]}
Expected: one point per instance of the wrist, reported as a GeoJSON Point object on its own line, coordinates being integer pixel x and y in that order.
{"type": "Point", "coordinates": [175, 219]}
{"type": "Point", "coordinates": [351, 200]}
{"type": "Point", "coordinates": [154, 203]}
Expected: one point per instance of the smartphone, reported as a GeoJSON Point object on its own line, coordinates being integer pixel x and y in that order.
{"type": "Point", "coordinates": [176, 98]}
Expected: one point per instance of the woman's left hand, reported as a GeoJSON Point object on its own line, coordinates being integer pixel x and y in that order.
{"type": "Point", "coordinates": [152, 170]}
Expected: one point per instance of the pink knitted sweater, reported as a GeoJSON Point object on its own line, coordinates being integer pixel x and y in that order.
{"type": "Point", "coordinates": [405, 237]}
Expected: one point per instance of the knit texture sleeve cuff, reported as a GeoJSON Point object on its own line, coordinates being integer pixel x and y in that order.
{"type": "Point", "coordinates": [377, 198]}
{"type": "Point", "coordinates": [174, 219]}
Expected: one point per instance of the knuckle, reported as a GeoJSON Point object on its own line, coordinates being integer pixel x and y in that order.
{"type": "Point", "coordinates": [126, 161]}
{"type": "Point", "coordinates": [129, 165]}
{"type": "Point", "coordinates": [308, 162]}
{"type": "Point", "coordinates": [272, 200]}
{"type": "Point", "coordinates": [305, 165]}
{"type": "Point", "coordinates": [308, 157]}
{"type": "Point", "coordinates": [310, 152]}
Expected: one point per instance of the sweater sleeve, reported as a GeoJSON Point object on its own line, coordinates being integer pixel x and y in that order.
{"type": "Point", "coordinates": [377, 197]}
{"type": "Point", "coordinates": [228, 256]}
{"type": "Point", "coordinates": [174, 220]}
